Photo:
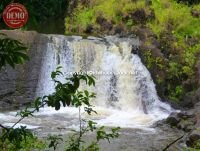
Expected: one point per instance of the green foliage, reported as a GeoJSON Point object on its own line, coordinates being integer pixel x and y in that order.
{"type": "Point", "coordinates": [195, 148]}
{"type": "Point", "coordinates": [177, 16]}
{"type": "Point", "coordinates": [197, 145]}
{"type": "Point", "coordinates": [68, 93]}
{"type": "Point", "coordinates": [12, 52]}
{"type": "Point", "coordinates": [151, 61]}
{"type": "Point", "coordinates": [111, 10]}
{"type": "Point", "coordinates": [168, 14]}
{"type": "Point", "coordinates": [54, 141]}
{"type": "Point", "coordinates": [21, 139]}
{"type": "Point", "coordinates": [77, 144]}
{"type": "Point", "coordinates": [101, 134]}
{"type": "Point", "coordinates": [174, 70]}
{"type": "Point", "coordinates": [17, 135]}
{"type": "Point", "coordinates": [177, 93]}
{"type": "Point", "coordinates": [180, 45]}
{"type": "Point", "coordinates": [82, 20]}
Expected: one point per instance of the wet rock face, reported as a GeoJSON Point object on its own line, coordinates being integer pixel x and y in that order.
{"type": "Point", "coordinates": [194, 135]}
{"type": "Point", "coordinates": [17, 86]}
{"type": "Point", "coordinates": [183, 120]}
{"type": "Point", "coordinates": [173, 119]}
{"type": "Point", "coordinates": [189, 122]}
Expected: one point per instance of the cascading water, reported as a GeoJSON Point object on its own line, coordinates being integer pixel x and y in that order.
{"type": "Point", "coordinates": [126, 94]}
{"type": "Point", "coordinates": [124, 87]}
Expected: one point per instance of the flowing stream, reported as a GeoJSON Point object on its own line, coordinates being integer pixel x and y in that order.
{"type": "Point", "coordinates": [126, 94]}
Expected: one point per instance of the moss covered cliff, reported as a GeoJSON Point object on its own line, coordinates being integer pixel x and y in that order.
{"type": "Point", "coordinates": [170, 35]}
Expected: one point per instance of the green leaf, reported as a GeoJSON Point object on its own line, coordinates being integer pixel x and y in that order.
{"type": "Point", "coordinates": [86, 93]}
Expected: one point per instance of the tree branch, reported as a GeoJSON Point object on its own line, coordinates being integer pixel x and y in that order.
{"type": "Point", "coordinates": [169, 145]}
{"type": "Point", "coordinates": [7, 129]}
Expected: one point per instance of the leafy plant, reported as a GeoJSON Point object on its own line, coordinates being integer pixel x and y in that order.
{"type": "Point", "coordinates": [77, 144]}
{"type": "Point", "coordinates": [151, 61]}
{"type": "Point", "coordinates": [20, 139]}
{"type": "Point", "coordinates": [54, 141]}
{"type": "Point", "coordinates": [12, 52]}
{"type": "Point", "coordinates": [196, 147]}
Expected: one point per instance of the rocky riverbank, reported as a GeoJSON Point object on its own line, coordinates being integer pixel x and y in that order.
{"type": "Point", "coordinates": [188, 122]}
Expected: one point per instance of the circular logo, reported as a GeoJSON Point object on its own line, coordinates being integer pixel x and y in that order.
{"type": "Point", "coordinates": [15, 15]}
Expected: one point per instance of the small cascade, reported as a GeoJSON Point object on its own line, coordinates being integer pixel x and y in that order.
{"type": "Point", "coordinates": [57, 53]}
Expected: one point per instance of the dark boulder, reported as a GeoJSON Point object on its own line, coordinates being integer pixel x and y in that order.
{"type": "Point", "coordinates": [186, 102]}
{"type": "Point", "coordinates": [190, 99]}
{"type": "Point", "coordinates": [135, 50]}
{"type": "Point", "coordinates": [184, 120]}
{"type": "Point", "coordinates": [173, 119]}
{"type": "Point", "coordinates": [186, 114]}
{"type": "Point", "coordinates": [186, 125]}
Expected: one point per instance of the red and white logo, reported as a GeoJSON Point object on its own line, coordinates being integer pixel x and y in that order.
{"type": "Point", "coordinates": [15, 15]}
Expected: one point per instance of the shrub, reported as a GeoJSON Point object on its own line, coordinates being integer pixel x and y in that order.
{"type": "Point", "coordinates": [111, 10]}
{"type": "Point", "coordinates": [12, 52]}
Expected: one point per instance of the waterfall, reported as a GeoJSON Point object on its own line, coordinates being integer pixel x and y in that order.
{"type": "Point", "coordinates": [124, 87]}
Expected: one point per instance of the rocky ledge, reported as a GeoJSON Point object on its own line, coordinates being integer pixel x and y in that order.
{"type": "Point", "coordinates": [189, 122]}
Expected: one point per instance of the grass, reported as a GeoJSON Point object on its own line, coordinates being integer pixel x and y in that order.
{"type": "Point", "coordinates": [177, 15]}
{"type": "Point", "coordinates": [112, 10]}
{"type": "Point", "coordinates": [167, 12]}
